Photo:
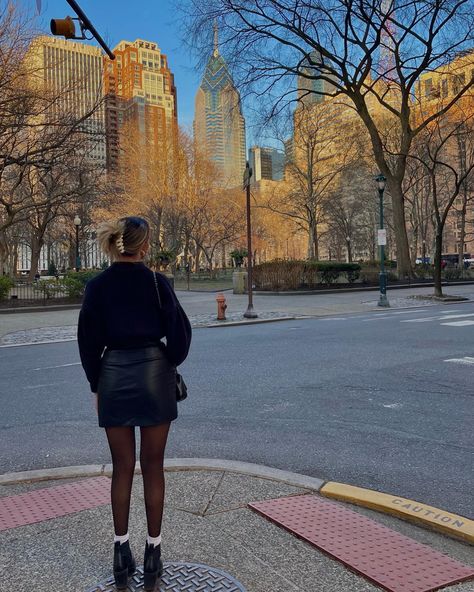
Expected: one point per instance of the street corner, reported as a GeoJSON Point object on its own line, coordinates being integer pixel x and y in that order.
{"type": "Point", "coordinates": [453, 525]}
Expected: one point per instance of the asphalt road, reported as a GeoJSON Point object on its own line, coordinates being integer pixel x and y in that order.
{"type": "Point", "coordinates": [366, 399]}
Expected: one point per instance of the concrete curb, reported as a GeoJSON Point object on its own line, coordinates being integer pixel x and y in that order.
{"type": "Point", "coordinates": [171, 465]}
{"type": "Point", "coordinates": [442, 521]}
{"type": "Point", "coordinates": [224, 324]}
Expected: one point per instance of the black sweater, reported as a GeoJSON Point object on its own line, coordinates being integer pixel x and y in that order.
{"type": "Point", "coordinates": [121, 311]}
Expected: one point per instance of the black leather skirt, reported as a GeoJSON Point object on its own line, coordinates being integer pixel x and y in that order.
{"type": "Point", "coordinates": [137, 387]}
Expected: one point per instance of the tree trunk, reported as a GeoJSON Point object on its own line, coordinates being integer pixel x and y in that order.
{"type": "Point", "coordinates": [311, 242]}
{"type": "Point", "coordinates": [316, 241]}
{"type": "Point", "coordinates": [349, 251]}
{"type": "Point", "coordinates": [462, 233]}
{"type": "Point", "coordinates": [438, 249]}
{"type": "Point", "coordinates": [36, 245]}
{"type": "Point", "coordinates": [404, 267]}
{"type": "Point", "coordinates": [3, 257]}
{"type": "Point", "coordinates": [198, 259]}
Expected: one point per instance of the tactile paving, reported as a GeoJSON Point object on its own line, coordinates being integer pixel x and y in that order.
{"type": "Point", "coordinates": [180, 577]}
{"type": "Point", "coordinates": [53, 502]}
{"type": "Point", "coordinates": [391, 560]}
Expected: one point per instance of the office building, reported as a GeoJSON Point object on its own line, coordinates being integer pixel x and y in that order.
{"type": "Point", "coordinates": [219, 126]}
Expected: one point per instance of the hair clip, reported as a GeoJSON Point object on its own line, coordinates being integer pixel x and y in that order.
{"type": "Point", "coordinates": [119, 244]}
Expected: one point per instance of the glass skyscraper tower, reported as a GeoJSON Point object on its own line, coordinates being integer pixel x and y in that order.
{"type": "Point", "coordinates": [219, 126]}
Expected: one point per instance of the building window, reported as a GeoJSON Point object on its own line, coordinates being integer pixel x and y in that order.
{"type": "Point", "coordinates": [444, 87]}
{"type": "Point", "coordinates": [459, 80]}
{"type": "Point", "coordinates": [428, 87]}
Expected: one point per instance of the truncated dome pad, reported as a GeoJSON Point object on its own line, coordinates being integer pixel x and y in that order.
{"type": "Point", "coordinates": [391, 560]}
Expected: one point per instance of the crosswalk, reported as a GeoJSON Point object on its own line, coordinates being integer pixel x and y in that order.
{"type": "Point", "coordinates": [453, 318]}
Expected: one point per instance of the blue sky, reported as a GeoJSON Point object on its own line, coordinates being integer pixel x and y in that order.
{"type": "Point", "coordinates": [153, 20]}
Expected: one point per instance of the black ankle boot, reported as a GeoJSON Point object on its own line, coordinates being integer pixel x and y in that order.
{"type": "Point", "coordinates": [152, 567]}
{"type": "Point", "coordinates": [124, 564]}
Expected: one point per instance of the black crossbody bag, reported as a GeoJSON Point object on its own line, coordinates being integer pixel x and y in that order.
{"type": "Point", "coordinates": [181, 388]}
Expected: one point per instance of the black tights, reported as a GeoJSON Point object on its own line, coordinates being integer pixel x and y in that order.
{"type": "Point", "coordinates": [152, 451]}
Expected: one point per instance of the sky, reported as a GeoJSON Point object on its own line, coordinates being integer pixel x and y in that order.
{"type": "Point", "coordinates": [152, 20]}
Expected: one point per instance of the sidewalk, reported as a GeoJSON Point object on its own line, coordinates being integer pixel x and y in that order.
{"type": "Point", "coordinates": [202, 310]}
{"type": "Point", "coordinates": [207, 522]}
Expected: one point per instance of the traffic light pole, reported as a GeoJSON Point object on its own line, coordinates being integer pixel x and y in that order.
{"type": "Point", "coordinates": [86, 25]}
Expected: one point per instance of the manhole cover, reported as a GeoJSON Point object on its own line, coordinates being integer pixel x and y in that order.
{"type": "Point", "coordinates": [180, 577]}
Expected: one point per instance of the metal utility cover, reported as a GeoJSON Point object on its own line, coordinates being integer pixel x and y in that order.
{"type": "Point", "coordinates": [180, 577]}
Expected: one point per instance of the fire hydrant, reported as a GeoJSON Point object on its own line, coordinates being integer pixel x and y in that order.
{"type": "Point", "coordinates": [221, 306]}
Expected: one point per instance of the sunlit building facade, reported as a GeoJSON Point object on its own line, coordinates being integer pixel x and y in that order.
{"type": "Point", "coordinates": [74, 72]}
{"type": "Point", "coordinates": [139, 90]}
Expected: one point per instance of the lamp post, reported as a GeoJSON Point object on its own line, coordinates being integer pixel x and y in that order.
{"type": "Point", "coordinates": [382, 241]}
{"type": "Point", "coordinates": [423, 254]}
{"type": "Point", "coordinates": [77, 223]}
{"type": "Point", "coordinates": [249, 313]}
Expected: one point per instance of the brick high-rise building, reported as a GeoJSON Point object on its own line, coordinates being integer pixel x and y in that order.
{"type": "Point", "coordinates": [219, 126]}
{"type": "Point", "coordinates": [139, 89]}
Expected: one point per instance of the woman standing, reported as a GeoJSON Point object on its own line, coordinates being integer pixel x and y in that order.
{"type": "Point", "coordinates": [124, 316]}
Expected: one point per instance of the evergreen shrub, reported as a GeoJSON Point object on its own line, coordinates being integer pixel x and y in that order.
{"type": "Point", "coordinates": [6, 283]}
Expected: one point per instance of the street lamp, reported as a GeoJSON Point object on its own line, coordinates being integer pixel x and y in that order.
{"type": "Point", "coordinates": [249, 313]}
{"type": "Point", "coordinates": [382, 241]}
{"type": "Point", "coordinates": [77, 223]}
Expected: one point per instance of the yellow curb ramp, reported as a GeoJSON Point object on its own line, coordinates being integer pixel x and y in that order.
{"type": "Point", "coordinates": [428, 516]}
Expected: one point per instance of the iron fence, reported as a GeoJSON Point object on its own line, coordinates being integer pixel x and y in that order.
{"type": "Point", "coordinates": [36, 291]}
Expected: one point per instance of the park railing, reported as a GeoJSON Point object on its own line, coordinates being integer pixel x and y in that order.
{"type": "Point", "coordinates": [36, 292]}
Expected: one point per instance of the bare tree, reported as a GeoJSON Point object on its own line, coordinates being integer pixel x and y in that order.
{"type": "Point", "coordinates": [369, 53]}
{"type": "Point", "coordinates": [318, 159]}
{"type": "Point", "coordinates": [351, 211]}
{"type": "Point", "coordinates": [37, 123]}
{"type": "Point", "coordinates": [446, 178]}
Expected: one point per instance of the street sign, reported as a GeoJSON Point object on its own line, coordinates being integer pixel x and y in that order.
{"type": "Point", "coordinates": [382, 237]}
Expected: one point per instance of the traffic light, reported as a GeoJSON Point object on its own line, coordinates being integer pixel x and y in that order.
{"type": "Point", "coordinates": [64, 27]}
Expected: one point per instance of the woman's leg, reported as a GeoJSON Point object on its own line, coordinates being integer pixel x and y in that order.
{"type": "Point", "coordinates": [152, 453]}
{"type": "Point", "coordinates": [122, 447]}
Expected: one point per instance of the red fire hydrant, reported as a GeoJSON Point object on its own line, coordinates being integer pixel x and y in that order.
{"type": "Point", "coordinates": [221, 306]}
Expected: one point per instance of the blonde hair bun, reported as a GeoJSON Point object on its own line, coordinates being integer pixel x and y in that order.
{"type": "Point", "coordinates": [123, 237]}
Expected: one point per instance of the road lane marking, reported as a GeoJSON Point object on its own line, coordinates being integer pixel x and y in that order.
{"type": "Point", "coordinates": [334, 319]}
{"type": "Point", "coordinates": [37, 386]}
{"type": "Point", "coordinates": [38, 342]}
{"type": "Point", "coordinates": [448, 317]}
{"type": "Point", "coordinates": [468, 360]}
{"type": "Point", "coordinates": [459, 323]}
{"type": "Point", "coordinates": [422, 320]}
{"type": "Point", "coordinates": [60, 366]}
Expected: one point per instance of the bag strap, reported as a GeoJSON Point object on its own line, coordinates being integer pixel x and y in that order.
{"type": "Point", "coordinates": [157, 289]}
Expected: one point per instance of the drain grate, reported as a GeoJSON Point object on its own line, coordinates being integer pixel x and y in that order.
{"type": "Point", "coordinates": [53, 502]}
{"type": "Point", "coordinates": [177, 577]}
{"type": "Point", "coordinates": [391, 560]}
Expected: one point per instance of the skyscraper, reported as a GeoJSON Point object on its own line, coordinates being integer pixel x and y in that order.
{"type": "Point", "coordinates": [140, 90]}
{"type": "Point", "coordinates": [266, 163]}
{"type": "Point", "coordinates": [313, 90]}
{"type": "Point", "coordinates": [219, 126]}
{"type": "Point", "coordinates": [74, 71]}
